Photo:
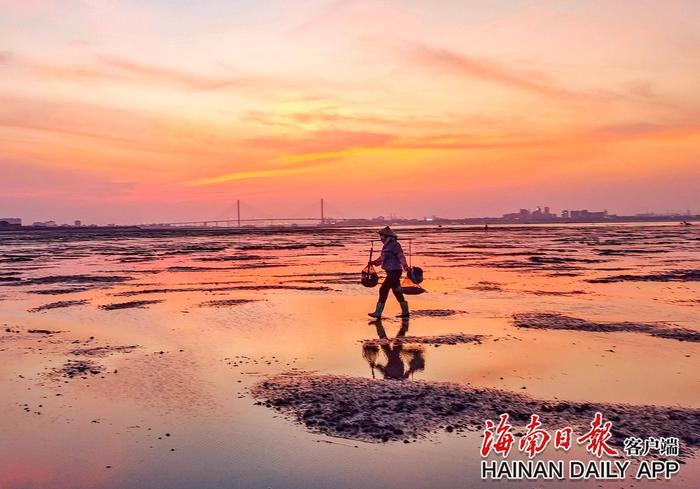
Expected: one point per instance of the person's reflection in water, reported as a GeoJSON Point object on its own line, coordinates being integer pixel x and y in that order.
{"type": "Point", "coordinates": [402, 361]}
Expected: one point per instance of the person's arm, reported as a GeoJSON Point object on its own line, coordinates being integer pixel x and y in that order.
{"type": "Point", "coordinates": [401, 256]}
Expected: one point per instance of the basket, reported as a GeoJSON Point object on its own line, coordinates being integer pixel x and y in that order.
{"type": "Point", "coordinates": [415, 274]}
{"type": "Point", "coordinates": [409, 287]}
{"type": "Point", "coordinates": [369, 276]}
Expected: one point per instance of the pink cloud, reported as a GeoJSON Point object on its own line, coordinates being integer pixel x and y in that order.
{"type": "Point", "coordinates": [112, 69]}
{"type": "Point", "coordinates": [529, 80]}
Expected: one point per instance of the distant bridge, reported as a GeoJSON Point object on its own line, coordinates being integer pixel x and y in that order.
{"type": "Point", "coordinates": [245, 222]}
{"type": "Point", "coordinates": [239, 222]}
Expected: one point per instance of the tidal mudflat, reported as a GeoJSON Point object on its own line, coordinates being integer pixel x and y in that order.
{"type": "Point", "coordinates": [244, 358]}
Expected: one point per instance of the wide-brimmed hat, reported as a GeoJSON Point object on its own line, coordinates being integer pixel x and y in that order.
{"type": "Point", "coordinates": [386, 231]}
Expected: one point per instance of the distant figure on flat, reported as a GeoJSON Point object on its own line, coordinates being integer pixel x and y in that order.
{"type": "Point", "coordinates": [393, 262]}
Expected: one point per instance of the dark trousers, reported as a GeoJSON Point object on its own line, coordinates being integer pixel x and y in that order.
{"type": "Point", "coordinates": [392, 282]}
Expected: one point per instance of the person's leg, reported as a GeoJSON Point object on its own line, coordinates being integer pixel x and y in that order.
{"type": "Point", "coordinates": [386, 286]}
{"type": "Point", "coordinates": [381, 332]}
{"type": "Point", "coordinates": [404, 328]}
{"type": "Point", "coordinates": [396, 289]}
{"type": "Point", "coordinates": [383, 295]}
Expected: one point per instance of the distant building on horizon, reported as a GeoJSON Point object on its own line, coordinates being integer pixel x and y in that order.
{"type": "Point", "coordinates": [539, 214]}
{"type": "Point", "coordinates": [78, 223]}
{"type": "Point", "coordinates": [586, 214]}
{"type": "Point", "coordinates": [545, 214]}
{"type": "Point", "coordinates": [45, 224]}
{"type": "Point", "coordinates": [7, 222]}
{"type": "Point", "coordinates": [521, 215]}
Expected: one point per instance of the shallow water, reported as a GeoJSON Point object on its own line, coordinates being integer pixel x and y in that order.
{"type": "Point", "coordinates": [215, 312]}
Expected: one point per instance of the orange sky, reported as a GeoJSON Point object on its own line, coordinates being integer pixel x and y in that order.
{"type": "Point", "coordinates": [133, 112]}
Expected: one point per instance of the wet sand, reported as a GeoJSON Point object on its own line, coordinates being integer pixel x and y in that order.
{"type": "Point", "coordinates": [219, 358]}
{"type": "Point", "coordinates": [361, 409]}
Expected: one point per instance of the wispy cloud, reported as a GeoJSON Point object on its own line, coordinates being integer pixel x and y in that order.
{"type": "Point", "coordinates": [304, 152]}
{"type": "Point", "coordinates": [79, 120]}
{"type": "Point", "coordinates": [142, 72]}
{"type": "Point", "coordinates": [393, 146]}
{"type": "Point", "coordinates": [248, 175]}
{"type": "Point", "coordinates": [646, 131]}
{"type": "Point", "coordinates": [29, 179]}
{"type": "Point", "coordinates": [337, 117]}
{"type": "Point", "coordinates": [100, 68]}
{"type": "Point", "coordinates": [321, 141]}
{"type": "Point", "coordinates": [529, 80]}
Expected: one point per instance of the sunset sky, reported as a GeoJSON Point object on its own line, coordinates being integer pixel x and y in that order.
{"type": "Point", "coordinates": [145, 111]}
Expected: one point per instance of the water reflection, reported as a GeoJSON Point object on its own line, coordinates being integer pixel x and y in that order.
{"type": "Point", "coordinates": [402, 360]}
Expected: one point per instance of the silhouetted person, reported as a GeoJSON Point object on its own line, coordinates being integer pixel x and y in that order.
{"type": "Point", "coordinates": [393, 261]}
{"type": "Point", "coordinates": [402, 362]}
